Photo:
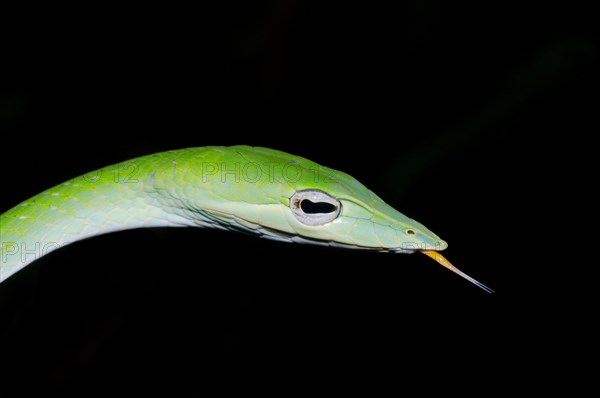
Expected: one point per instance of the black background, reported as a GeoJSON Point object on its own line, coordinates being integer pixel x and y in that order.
{"type": "Point", "coordinates": [476, 120]}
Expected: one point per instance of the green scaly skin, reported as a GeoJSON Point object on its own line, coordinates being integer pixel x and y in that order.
{"type": "Point", "coordinates": [235, 188]}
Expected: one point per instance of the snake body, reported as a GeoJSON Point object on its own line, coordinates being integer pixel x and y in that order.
{"type": "Point", "coordinates": [241, 188]}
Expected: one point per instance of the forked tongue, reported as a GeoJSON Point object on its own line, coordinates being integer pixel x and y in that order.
{"type": "Point", "coordinates": [442, 260]}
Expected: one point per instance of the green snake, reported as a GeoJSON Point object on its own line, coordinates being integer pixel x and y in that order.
{"type": "Point", "coordinates": [240, 188]}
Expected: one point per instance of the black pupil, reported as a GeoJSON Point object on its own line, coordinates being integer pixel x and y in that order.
{"type": "Point", "coordinates": [317, 207]}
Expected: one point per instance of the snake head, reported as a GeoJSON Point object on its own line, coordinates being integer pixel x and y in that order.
{"type": "Point", "coordinates": [290, 198]}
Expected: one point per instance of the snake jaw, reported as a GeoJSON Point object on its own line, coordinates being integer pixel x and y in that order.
{"type": "Point", "coordinates": [443, 261]}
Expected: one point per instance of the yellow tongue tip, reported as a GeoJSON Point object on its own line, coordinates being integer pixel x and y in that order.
{"type": "Point", "coordinates": [442, 260]}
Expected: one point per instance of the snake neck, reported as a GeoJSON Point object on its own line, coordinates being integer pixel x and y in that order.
{"type": "Point", "coordinates": [114, 198]}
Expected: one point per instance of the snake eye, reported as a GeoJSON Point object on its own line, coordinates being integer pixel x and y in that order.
{"type": "Point", "coordinates": [314, 207]}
